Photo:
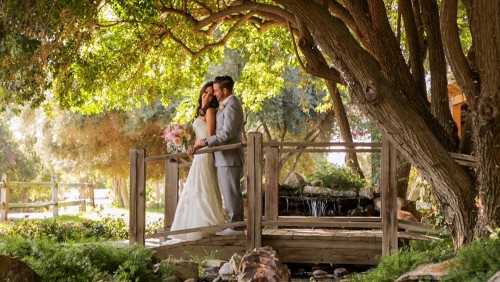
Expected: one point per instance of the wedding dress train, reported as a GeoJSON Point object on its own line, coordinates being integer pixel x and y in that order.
{"type": "Point", "coordinates": [200, 202]}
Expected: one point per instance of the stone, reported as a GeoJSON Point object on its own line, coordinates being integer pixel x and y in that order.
{"type": "Point", "coordinates": [213, 263]}
{"type": "Point", "coordinates": [339, 272]}
{"type": "Point", "coordinates": [226, 269]}
{"type": "Point", "coordinates": [317, 182]}
{"type": "Point", "coordinates": [495, 278]}
{"type": "Point", "coordinates": [16, 270]}
{"type": "Point", "coordinates": [185, 269]}
{"type": "Point", "coordinates": [426, 272]}
{"type": "Point", "coordinates": [319, 273]}
{"type": "Point", "coordinates": [295, 179]}
{"type": "Point", "coordinates": [317, 191]}
{"type": "Point", "coordinates": [235, 261]}
{"type": "Point", "coordinates": [190, 280]}
{"type": "Point", "coordinates": [261, 264]}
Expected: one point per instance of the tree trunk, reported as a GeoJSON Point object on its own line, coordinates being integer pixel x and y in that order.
{"type": "Point", "coordinates": [486, 35]}
{"type": "Point", "coordinates": [409, 126]}
{"type": "Point", "coordinates": [120, 191]}
{"type": "Point", "coordinates": [345, 130]}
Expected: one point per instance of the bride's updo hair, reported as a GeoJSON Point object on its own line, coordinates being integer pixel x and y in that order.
{"type": "Point", "coordinates": [212, 104]}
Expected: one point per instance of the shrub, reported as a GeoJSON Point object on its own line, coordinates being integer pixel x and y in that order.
{"type": "Point", "coordinates": [475, 262]}
{"type": "Point", "coordinates": [82, 262]}
{"type": "Point", "coordinates": [341, 178]}
{"type": "Point", "coordinates": [417, 253]}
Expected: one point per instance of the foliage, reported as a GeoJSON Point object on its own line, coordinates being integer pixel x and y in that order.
{"type": "Point", "coordinates": [408, 258]}
{"type": "Point", "coordinates": [475, 262]}
{"type": "Point", "coordinates": [82, 262]}
{"type": "Point", "coordinates": [65, 230]}
{"type": "Point", "coordinates": [341, 178]}
{"type": "Point", "coordinates": [18, 158]}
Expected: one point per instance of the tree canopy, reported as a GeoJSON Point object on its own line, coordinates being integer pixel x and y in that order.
{"type": "Point", "coordinates": [392, 57]}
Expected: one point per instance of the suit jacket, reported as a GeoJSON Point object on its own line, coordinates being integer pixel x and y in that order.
{"type": "Point", "coordinates": [228, 130]}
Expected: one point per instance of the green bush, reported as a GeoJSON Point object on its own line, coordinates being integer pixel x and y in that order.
{"type": "Point", "coordinates": [408, 258]}
{"type": "Point", "coordinates": [341, 178]}
{"type": "Point", "coordinates": [82, 262]}
{"type": "Point", "coordinates": [63, 231]}
{"type": "Point", "coordinates": [475, 262]}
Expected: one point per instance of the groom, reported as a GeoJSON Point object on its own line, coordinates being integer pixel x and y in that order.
{"type": "Point", "coordinates": [229, 163]}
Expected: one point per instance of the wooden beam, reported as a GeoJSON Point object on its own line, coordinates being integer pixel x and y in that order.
{"type": "Point", "coordinates": [254, 191]}
{"type": "Point", "coordinates": [4, 197]}
{"type": "Point", "coordinates": [272, 172]}
{"type": "Point", "coordinates": [171, 190]}
{"type": "Point", "coordinates": [137, 224]}
{"type": "Point", "coordinates": [389, 208]}
{"type": "Point", "coordinates": [55, 195]}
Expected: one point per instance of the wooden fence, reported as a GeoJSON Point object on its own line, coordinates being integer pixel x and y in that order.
{"type": "Point", "coordinates": [86, 195]}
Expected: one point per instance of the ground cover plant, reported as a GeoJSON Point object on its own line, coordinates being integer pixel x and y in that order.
{"type": "Point", "coordinates": [476, 262]}
{"type": "Point", "coordinates": [73, 248]}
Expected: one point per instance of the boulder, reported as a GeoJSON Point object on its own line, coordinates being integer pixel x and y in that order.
{"type": "Point", "coordinates": [426, 272]}
{"type": "Point", "coordinates": [261, 264]}
{"type": "Point", "coordinates": [317, 191]}
{"type": "Point", "coordinates": [295, 180]}
{"type": "Point", "coordinates": [495, 278]}
{"type": "Point", "coordinates": [16, 270]}
{"type": "Point", "coordinates": [185, 269]}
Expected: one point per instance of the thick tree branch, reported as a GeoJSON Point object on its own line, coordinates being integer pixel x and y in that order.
{"type": "Point", "coordinates": [246, 6]}
{"type": "Point", "coordinates": [316, 63]}
{"type": "Point", "coordinates": [437, 62]}
{"type": "Point", "coordinates": [414, 47]}
{"type": "Point", "coordinates": [464, 74]}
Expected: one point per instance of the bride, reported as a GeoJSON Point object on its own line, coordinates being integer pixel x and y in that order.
{"type": "Point", "coordinates": [200, 202]}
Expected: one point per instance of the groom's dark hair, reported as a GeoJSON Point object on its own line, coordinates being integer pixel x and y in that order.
{"type": "Point", "coordinates": [225, 81]}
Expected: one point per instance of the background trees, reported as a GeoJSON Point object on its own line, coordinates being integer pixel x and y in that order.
{"type": "Point", "coordinates": [392, 57]}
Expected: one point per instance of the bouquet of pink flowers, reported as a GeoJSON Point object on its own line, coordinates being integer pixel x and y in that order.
{"type": "Point", "coordinates": [177, 138]}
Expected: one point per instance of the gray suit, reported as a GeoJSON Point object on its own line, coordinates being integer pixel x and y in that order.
{"type": "Point", "coordinates": [229, 163]}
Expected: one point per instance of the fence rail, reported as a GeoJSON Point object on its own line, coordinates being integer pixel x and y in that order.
{"type": "Point", "coordinates": [86, 195]}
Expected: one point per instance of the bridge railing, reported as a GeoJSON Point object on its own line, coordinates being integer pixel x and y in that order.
{"type": "Point", "coordinates": [262, 175]}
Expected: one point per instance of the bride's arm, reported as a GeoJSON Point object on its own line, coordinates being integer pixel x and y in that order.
{"type": "Point", "coordinates": [210, 120]}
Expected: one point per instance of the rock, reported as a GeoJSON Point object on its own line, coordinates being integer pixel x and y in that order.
{"type": "Point", "coordinates": [366, 193]}
{"type": "Point", "coordinates": [185, 269]}
{"type": "Point", "coordinates": [213, 263]}
{"type": "Point", "coordinates": [495, 278]}
{"type": "Point", "coordinates": [226, 269]}
{"type": "Point", "coordinates": [261, 264]}
{"type": "Point", "coordinates": [295, 179]}
{"type": "Point", "coordinates": [317, 191]}
{"type": "Point", "coordinates": [319, 273]}
{"type": "Point", "coordinates": [211, 269]}
{"type": "Point", "coordinates": [339, 272]}
{"type": "Point", "coordinates": [190, 280]}
{"type": "Point", "coordinates": [235, 263]}
{"type": "Point", "coordinates": [426, 272]}
{"type": "Point", "coordinates": [317, 182]}
{"type": "Point", "coordinates": [16, 270]}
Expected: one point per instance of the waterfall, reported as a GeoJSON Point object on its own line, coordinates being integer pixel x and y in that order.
{"type": "Point", "coordinates": [317, 207]}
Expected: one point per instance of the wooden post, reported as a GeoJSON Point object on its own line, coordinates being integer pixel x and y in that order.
{"type": "Point", "coordinates": [171, 189]}
{"type": "Point", "coordinates": [137, 224]}
{"type": "Point", "coordinates": [254, 191]}
{"type": "Point", "coordinates": [82, 195]}
{"type": "Point", "coordinates": [55, 197]}
{"type": "Point", "coordinates": [389, 207]}
{"type": "Point", "coordinates": [4, 197]}
{"type": "Point", "coordinates": [272, 183]}
{"type": "Point", "coordinates": [91, 194]}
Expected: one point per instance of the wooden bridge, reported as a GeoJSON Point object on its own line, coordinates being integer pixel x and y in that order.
{"type": "Point", "coordinates": [338, 240]}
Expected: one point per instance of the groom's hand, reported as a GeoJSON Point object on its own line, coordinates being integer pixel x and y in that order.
{"type": "Point", "coordinates": [200, 143]}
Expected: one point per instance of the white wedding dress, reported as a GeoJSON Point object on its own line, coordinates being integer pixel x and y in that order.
{"type": "Point", "coordinates": [200, 202]}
